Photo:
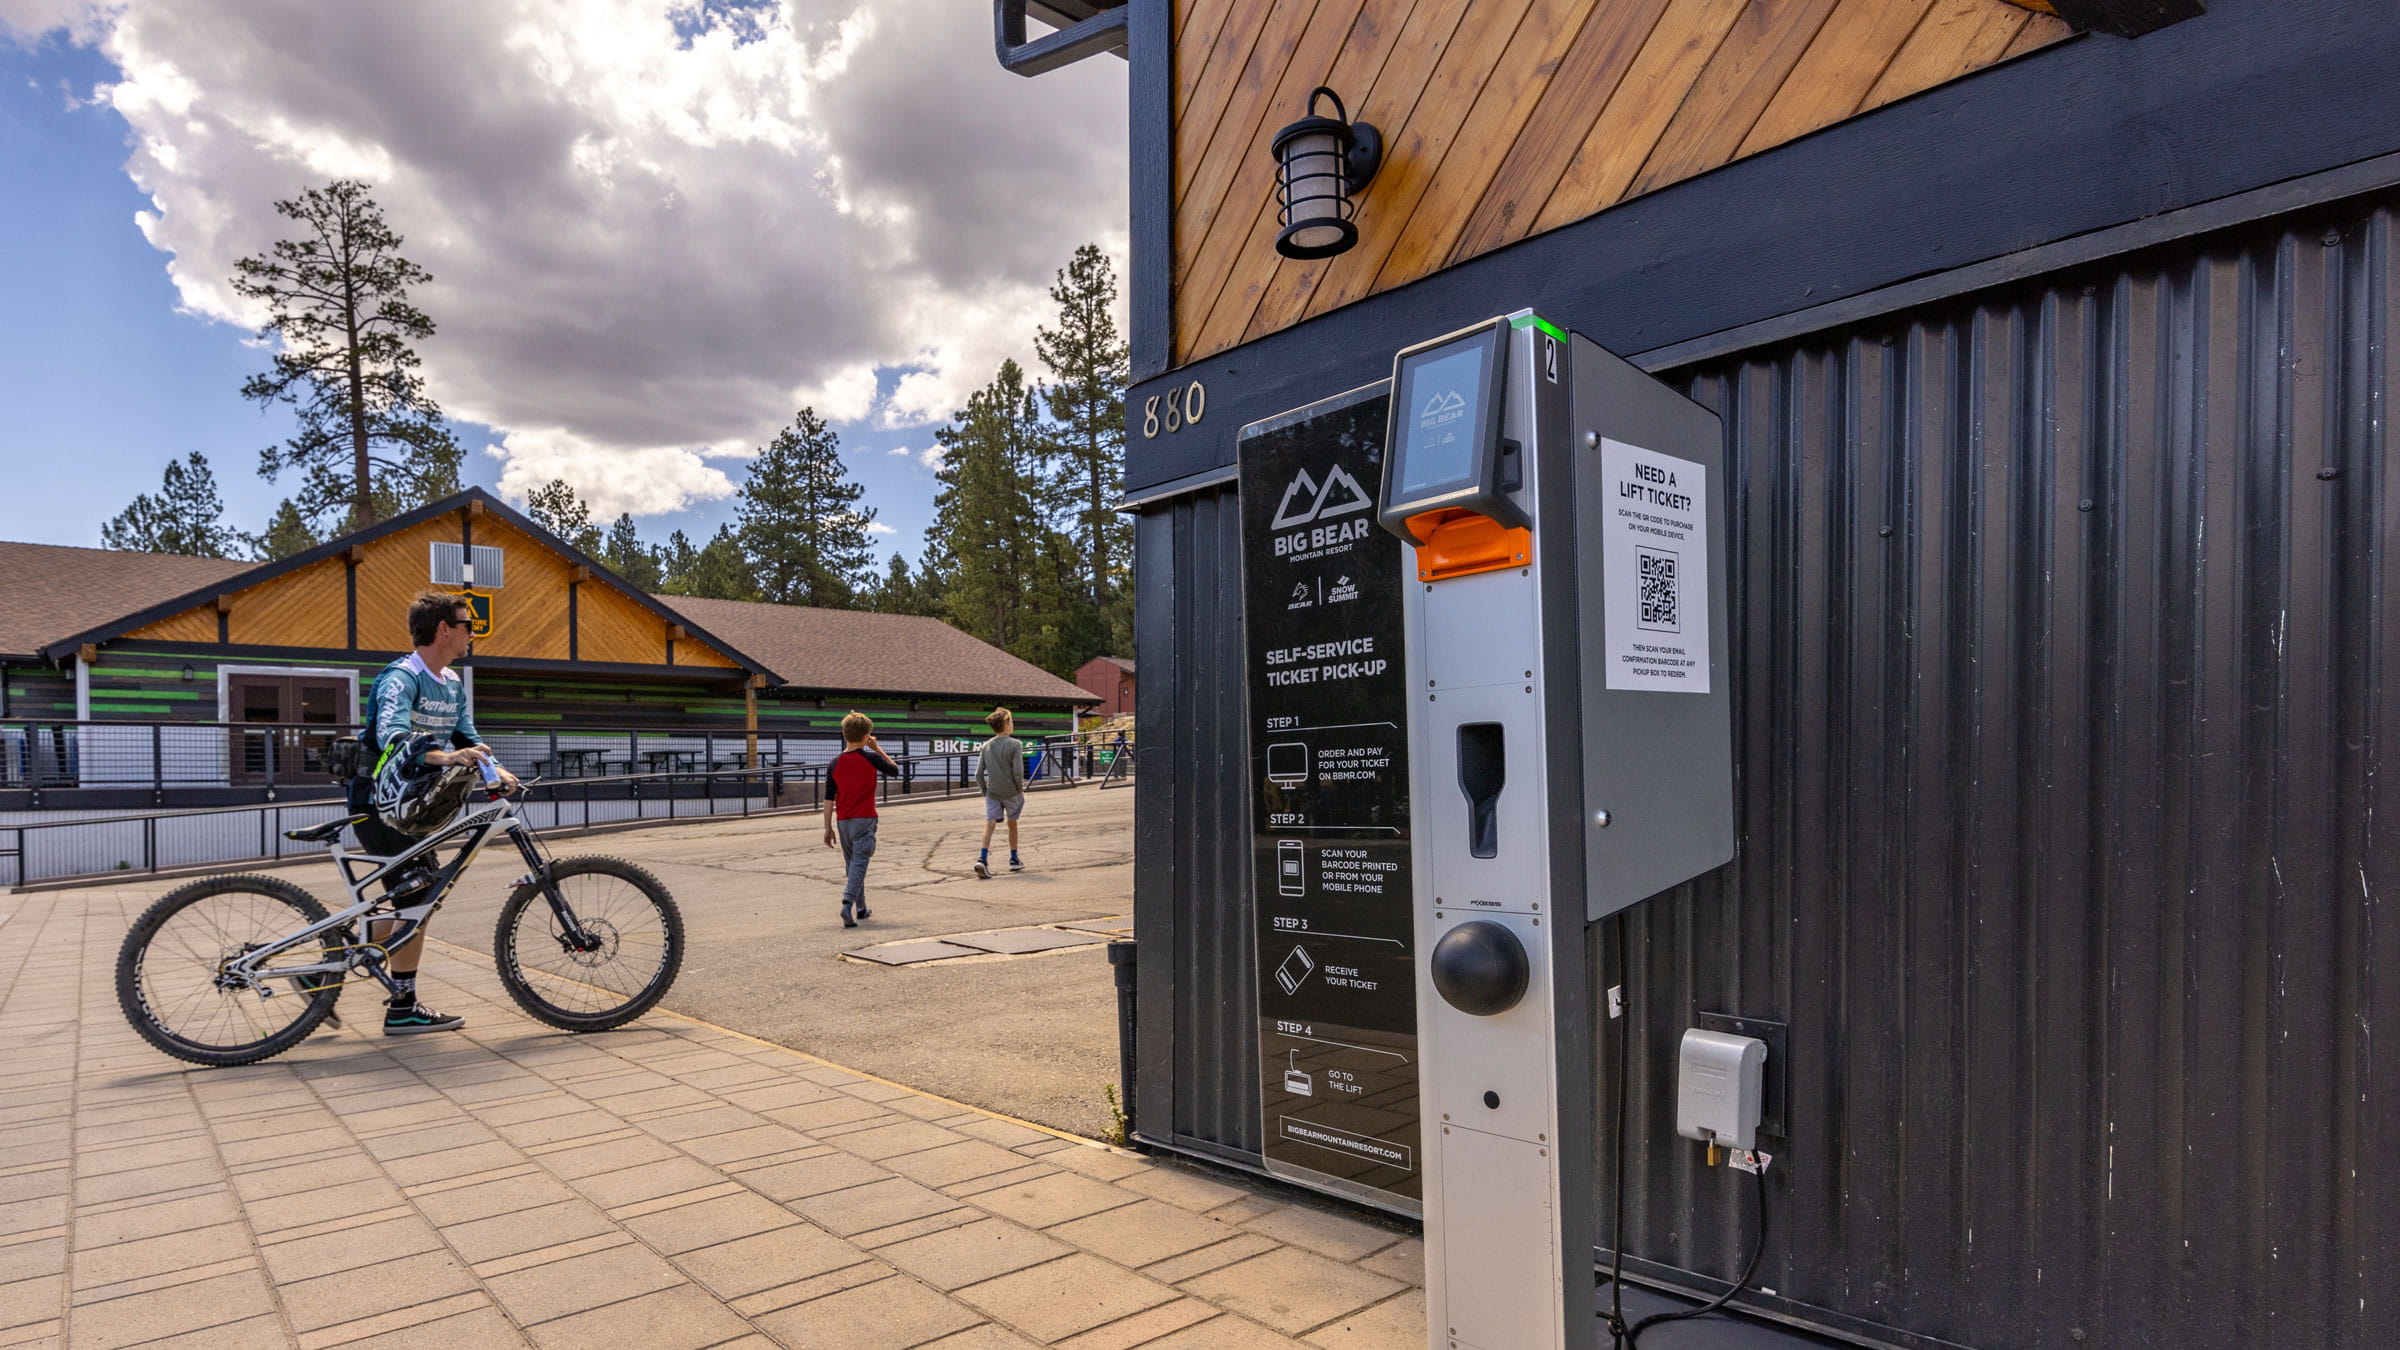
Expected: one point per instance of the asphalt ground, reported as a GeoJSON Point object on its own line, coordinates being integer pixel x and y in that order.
{"type": "Point", "coordinates": [1027, 1036]}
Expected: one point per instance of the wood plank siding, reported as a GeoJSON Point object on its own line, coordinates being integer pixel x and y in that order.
{"type": "Point", "coordinates": [1511, 118]}
{"type": "Point", "coordinates": [539, 612]}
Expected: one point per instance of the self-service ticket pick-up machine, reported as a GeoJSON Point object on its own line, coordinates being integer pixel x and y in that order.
{"type": "Point", "coordinates": [1570, 751]}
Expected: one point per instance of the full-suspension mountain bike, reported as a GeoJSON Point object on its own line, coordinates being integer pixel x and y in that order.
{"type": "Point", "coordinates": [216, 972]}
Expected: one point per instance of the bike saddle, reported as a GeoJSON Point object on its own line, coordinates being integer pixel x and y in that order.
{"type": "Point", "coordinates": [318, 834]}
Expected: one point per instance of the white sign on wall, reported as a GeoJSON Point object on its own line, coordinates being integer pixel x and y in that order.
{"type": "Point", "coordinates": [1654, 557]}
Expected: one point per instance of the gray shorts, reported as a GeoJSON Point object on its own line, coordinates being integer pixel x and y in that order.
{"type": "Point", "coordinates": [1003, 808]}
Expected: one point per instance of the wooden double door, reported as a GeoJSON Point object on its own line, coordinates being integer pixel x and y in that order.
{"type": "Point", "coordinates": [275, 738]}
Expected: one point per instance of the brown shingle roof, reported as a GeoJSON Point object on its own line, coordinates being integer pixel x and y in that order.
{"type": "Point", "coordinates": [52, 591]}
{"type": "Point", "coordinates": [853, 650]}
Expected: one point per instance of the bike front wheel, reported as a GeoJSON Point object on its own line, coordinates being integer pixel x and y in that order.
{"type": "Point", "coordinates": [619, 962]}
{"type": "Point", "coordinates": [173, 981]}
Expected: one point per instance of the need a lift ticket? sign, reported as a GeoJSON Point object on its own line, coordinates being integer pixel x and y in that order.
{"type": "Point", "coordinates": [1329, 802]}
{"type": "Point", "coordinates": [1654, 561]}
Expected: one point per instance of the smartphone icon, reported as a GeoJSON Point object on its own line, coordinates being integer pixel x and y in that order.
{"type": "Point", "coordinates": [1291, 877]}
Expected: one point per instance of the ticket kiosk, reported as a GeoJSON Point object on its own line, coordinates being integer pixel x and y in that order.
{"type": "Point", "coordinates": [1569, 753]}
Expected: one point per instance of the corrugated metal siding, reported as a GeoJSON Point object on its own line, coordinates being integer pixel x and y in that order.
{"type": "Point", "coordinates": [2065, 645]}
{"type": "Point", "coordinates": [1198, 1043]}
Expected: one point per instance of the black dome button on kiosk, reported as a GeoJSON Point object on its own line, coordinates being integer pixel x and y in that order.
{"type": "Point", "coordinates": [1479, 968]}
{"type": "Point", "coordinates": [1564, 630]}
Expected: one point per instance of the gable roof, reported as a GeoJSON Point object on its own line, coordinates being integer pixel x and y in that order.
{"type": "Point", "coordinates": [201, 592]}
{"type": "Point", "coordinates": [859, 651]}
{"type": "Point", "coordinates": [56, 591]}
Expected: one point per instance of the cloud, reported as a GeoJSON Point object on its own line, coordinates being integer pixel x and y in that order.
{"type": "Point", "coordinates": [655, 230]}
{"type": "Point", "coordinates": [878, 527]}
{"type": "Point", "coordinates": [645, 480]}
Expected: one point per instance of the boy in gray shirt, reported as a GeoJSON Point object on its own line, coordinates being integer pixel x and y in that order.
{"type": "Point", "coordinates": [1000, 772]}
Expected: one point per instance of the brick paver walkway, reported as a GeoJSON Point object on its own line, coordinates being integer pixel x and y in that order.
{"type": "Point", "coordinates": [673, 1185]}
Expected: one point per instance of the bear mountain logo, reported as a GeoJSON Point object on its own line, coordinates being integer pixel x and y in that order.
{"type": "Point", "coordinates": [1307, 500]}
{"type": "Point", "coordinates": [1447, 405]}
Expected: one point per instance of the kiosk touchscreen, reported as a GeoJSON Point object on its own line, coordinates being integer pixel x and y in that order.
{"type": "Point", "coordinates": [1568, 753]}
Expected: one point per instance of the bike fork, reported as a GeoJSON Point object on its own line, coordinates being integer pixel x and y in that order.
{"type": "Point", "coordinates": [572, 934]}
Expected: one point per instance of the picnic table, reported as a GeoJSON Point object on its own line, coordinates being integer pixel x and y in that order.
{"type": "Point", "coordinates": [672, 761]}
{"type": "Point", "coordinates": [572, 764]}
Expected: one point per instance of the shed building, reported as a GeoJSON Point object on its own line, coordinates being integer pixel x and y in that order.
{"type": "Point", "coordinates": [1110, 679]}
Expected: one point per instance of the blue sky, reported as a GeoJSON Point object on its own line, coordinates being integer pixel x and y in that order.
{"type": "Point", "coordinates": [818, 259]}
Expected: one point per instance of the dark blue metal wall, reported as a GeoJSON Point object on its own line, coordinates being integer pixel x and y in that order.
{"type": "Point", "coordinates": [2065, 647]}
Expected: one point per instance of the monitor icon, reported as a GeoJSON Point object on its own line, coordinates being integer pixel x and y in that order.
{"type": "Point", "coordinates": [1287, 762]}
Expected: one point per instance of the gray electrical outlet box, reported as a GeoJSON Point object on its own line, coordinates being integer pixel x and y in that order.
{"type": "Point", "coordinates": [1721, 1088]}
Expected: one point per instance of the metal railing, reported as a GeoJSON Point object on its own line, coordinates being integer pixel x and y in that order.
{"type": "Point", "coordinates": [85, 846]}
{"type": "Point", "coordinates": [276, 760]}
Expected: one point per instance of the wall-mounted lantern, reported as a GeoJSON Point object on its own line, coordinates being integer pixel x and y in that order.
{"type": "Point", "coordinates": [1321, 164]}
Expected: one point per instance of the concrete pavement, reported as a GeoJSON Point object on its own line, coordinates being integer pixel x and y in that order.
{"type": "Point", "coordinates": [676, 1184]}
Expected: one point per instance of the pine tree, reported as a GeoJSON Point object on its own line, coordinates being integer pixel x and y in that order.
{"type": "Point", "coordinates": [721, 571]}
{"type": "Point", "coordinates": [371, 440]}
{"type": "Point", "coordinates": [1003, 575]}
{"type": "Point", "coordinates": [185, 516]}
{"type": "Point", "coordinates": [629, 557]}
{"type": "Point", "coordinates": [287, 533]}
{"type": "Point", "coordinates": [800, 519]}
{"type": "Point", "coordinates": [676, 558]}
{"type": "Point", "coordinates": [899, 591]}
{"type": "Point", "coordinates": [1087, 360]}
{"type": "Point", "coordinates": [555, 507]}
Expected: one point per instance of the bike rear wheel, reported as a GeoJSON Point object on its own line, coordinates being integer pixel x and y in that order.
{"type": "Point", "coordinates": [171, 971]}
{"type": "Point", "coordinates": [620, 964]}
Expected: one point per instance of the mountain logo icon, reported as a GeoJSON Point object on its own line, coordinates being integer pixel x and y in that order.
{"type": "Point", "coordinates": [1445, 402]}
{"type": "Point", "coordinates": [1308, 500]}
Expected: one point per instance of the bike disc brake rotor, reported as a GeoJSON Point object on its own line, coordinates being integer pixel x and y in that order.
{"type": "Point", "coordinates": [599, 945]}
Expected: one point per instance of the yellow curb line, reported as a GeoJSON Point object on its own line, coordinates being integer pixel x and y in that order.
{"type": "Point", "coordinates": [827, 1063]}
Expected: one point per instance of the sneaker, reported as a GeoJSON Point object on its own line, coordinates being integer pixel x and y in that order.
{"type": "Point", "coordinates": [847, 921]}
{"type": "Point", "coordinates": [1015, 865]}
{"type": "Point", "coordinates": [416, 1019]}
{"type": "Point", "coordinates": [983, 869]}
{"type": "Point", "coordinates": [863, 911]}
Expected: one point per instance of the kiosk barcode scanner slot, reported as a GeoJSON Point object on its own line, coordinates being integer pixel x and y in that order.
{"type": "Point", "coordinates": [1482, 771]}
{"type": "Point", "coordinates": [1570, 746]}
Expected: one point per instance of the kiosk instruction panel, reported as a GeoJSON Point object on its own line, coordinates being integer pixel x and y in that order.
{"type": "Point", "coordinates": [1329, 802]}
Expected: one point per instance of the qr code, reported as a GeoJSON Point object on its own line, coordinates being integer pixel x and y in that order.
{"type": "Point", "coordinates": [1662, 593]}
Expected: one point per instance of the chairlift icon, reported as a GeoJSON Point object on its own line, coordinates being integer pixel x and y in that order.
{"type": "Point", "coordinates": [1297, 1081]}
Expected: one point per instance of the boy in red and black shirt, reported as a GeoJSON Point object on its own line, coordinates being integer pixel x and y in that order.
{"type": "Point", "coordinates": [850, 807]}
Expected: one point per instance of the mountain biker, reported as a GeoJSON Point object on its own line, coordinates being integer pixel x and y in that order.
{"type": "Point", "coordinates": [417, 700]}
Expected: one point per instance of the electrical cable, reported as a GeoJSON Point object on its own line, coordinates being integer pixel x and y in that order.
{"type": "Point", "coordinates": [1758, 1248]}
{"type": "Point", "coordinates": [1615, 1317]}
{"type": "Point", "coordinates": [1622, 1336]}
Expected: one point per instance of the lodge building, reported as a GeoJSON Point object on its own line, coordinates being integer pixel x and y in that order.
{"type": "Point", "coordinates": [132, 680]}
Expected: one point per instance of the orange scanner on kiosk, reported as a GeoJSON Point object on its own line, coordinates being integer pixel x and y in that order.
{"type": "Point", "coordinates": [1454, 541]}
{"type": "Point", "coordinates": [1449, 479]}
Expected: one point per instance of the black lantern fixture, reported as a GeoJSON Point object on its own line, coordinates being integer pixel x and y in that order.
{"type": "Point", "coordinates": [1321, 163]}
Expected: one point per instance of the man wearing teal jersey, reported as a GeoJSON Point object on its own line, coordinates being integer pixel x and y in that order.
{"type": "Point", "coordinates": [419, 694]}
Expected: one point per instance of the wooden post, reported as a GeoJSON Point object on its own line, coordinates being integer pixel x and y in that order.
{"type": "Point", "coordinates": [750, 717]}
